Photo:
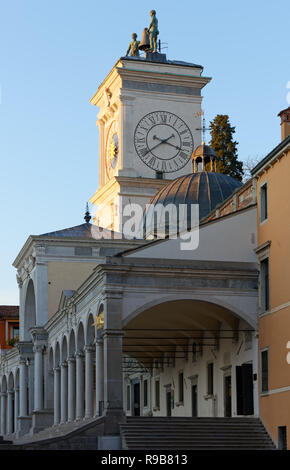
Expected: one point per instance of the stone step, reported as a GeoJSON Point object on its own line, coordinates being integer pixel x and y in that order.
{"type": "Point", "coordinates": [194, 433]}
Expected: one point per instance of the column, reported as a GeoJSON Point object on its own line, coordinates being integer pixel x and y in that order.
{"type": "Point", "coordinates": [113, 376]}
{"type": "Point", "coordinates": [16, 408]}
{"type": "Point", "coordinates": [23, 387]}
{"type": "Point", "coordinates": [38, 377]}
{"type": "Point", "coordinates": [10, 412]}
{"type": "Point", "coordinates": [71, 389]}
{"type": "Point", "coordinates": [99, 376]}
{"type": "Point", "coordinates": [89, 379]}
{"type": "Point", "coordinates": [31, 385]}
{"type": "Point", "coordinates": [3, 413]}
{"type": "Point", "coordinates": [80, 386]}
{"type": "Point", "coordinates": [56, 385]}
{"type": "Point", "coordinates": [63, 389]}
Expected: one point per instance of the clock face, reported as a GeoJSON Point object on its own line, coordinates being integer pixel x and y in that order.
{"type": "Point", "coordinates": [112, 149]}
{"type": "Point", "coordinates": [163, 141]}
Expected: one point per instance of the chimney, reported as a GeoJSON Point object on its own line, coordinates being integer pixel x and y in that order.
{"type": "Point", "coordinates": [285, 122]}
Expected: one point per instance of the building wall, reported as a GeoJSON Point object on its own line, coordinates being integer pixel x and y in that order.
{"type": "Point", "coordinates": [229, 239]}
{"type": "Point", "coordinates": [274, 325]}
{"type": "Point", "coordinates": [225, 359]}
{"type": "Point", "coordinates": [65, 276]}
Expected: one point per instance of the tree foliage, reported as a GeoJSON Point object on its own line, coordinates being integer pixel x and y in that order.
{"type": "Point", "coordinates": [225, 147]}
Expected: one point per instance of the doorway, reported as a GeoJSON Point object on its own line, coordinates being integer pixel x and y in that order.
{"type": "Point", "coordinates": [168, 402]}
{"type": "Point", "coordinates": [244, 384]}
{"type": "Point", "coordinates": [136, 399]}
{"type": "Point", "coordinates": [194, 400]}
{"type": "Point", "coordinates": [228, 395]}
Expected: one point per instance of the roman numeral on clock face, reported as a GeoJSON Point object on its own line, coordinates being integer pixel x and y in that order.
{"type": "Point", "coordinates": [143, 151]}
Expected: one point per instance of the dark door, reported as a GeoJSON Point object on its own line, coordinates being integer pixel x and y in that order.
{"type": "Point", "coordinates": [136, 399]}
{"type": "Point", "coordinates": [244, 383]}
{"type": "Point", "coordinates": [168, 403]}
{"type": "Point", "coordinates": [247, 373]}
{"type": "Point", "coordinates": [194, 400]}
{"type": "Point", "coordinates": [228, 395]}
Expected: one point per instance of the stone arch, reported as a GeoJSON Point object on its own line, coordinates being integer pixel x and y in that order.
{"type": "Point", "coordinates": [50, 359]}
{"type": "Point", "coordinates": [211, 300]}
{"type": "Point", "coordinates": [4, 386]}
{"type": "Point", "coordinates": [90, 330]}
{"type": "Point", "coordinates": [57, 355]}
{"type": "Point", "coordinates": [29, 310]}
{"type": "Point", "coordinates": [64, 350]}
{"type": "Point", "coordinates": [72, 344]}
{"type": "Point", "coordinates": [11, 382]}
{"type": "Point", "coordinates": [80, 337]}
{"type": "Point", "coordinates": [17, 378]}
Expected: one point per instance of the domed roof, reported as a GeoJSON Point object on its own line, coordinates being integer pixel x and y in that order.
{"type": "Point", "coordinates": [204, 151]}
{"type": "Point", "coordinates": [208, 189]}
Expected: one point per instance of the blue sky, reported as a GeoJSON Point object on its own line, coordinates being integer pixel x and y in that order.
{"type": "Point", "coordinates": [55, 53]}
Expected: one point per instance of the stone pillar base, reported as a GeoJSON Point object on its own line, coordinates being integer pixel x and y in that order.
{"type": "Point", "coordinates": [41, 420]}
{"type": "Point", "coordinates": [113, 418]}
{"type": "Point", "coordinates": [24, 425]}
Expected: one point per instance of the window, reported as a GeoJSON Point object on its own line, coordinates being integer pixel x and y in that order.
{"type": "Point", "coordinates": [15, 332]}
{"type": "Point", "coordinates": [265, 286]}
{"type": "Point", "coordinates": [263, 202]}
{"type": "Point", "coordinates": [282, 437]}
{"type": "Point", "coordinates": [180, 387]}
{"type": "Point", "coordinates": [145, 393]}
{"type": "Point", "coordinates": [210, 378]}
{"type": "Point", "coordinates": [157, 393]}
{"type": "Point", "coordinates": [159, 175]}
{"type": "Point", "coordinates": [264, 371]}
{"type": "Point", "coordinates": [128, 398]}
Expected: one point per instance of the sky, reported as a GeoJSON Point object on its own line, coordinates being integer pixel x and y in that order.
{"type": "Point", "coordinates": [55, 53]}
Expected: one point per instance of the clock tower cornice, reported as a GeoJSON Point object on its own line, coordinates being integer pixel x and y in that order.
{"type": "Point", "coordinates": [168, 78]}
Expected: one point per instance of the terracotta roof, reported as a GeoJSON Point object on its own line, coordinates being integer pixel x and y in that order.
{"type": "Point", "coordinates": [9, 311]}
{"type": "Point", "coordinates": [84, 232]}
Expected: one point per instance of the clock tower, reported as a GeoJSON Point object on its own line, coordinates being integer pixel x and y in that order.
{"type": "Point", "coordinates": [149, 125]}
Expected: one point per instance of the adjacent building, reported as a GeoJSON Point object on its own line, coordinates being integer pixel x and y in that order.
{"type": "Point", "coordinates": [273, 251]}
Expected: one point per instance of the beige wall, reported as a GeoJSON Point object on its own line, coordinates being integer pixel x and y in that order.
{"type": "Point", "coordinates": [274, 327]}
{"type": "Point", "coordinates": [64, 275]}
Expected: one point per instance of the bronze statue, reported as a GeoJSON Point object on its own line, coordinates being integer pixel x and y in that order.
{"type": "Point", "coordinates": [133, 46]}
{"type": "Point", "coordinates": [153, 31]}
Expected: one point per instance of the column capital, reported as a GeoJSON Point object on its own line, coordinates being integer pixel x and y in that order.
{"type": "Point", "coordinates": [39, 348]}
{"type": "Point", "coordinates": [71, 359]}
{"type": "Point", "coordinates": [63, 364]}
{"type": "Point", "coordinates": [22, 361]}
{"type": "Point", "coordinates": [79, 354]}
{"type": "Point", "coordinates": [10, 392]}
{"type": "Point", "coordinates": [89, 349]}
{"type": "Point", "coordinates": [3, 394]}
{"type": "Point", "coordinates": [56, 369]}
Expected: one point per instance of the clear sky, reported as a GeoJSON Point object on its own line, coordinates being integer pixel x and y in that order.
{"type": "Point", "coordinates": [55, 53]}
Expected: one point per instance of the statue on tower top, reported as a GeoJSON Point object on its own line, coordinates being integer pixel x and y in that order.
{"type": "Point", "coordinates": [133, 46]}
{"type": "Point", "coordinates": [153, 31]}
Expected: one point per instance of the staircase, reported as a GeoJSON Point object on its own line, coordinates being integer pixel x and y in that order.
{"type": "Point", "coordinates": [149, 433]}
{"type": "Point", "coordinates": [80, 435]}
{"type": "Point", "coordinates": [7, 445]}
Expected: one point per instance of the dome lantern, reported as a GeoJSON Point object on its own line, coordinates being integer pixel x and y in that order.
{"type": "Point", "coordinates": [203, 155]}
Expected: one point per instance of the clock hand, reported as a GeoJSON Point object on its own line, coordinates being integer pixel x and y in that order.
{"type": "Point", "coordinates": [165, 141]}
{"type": "Point", "coordinates": [162, 141]}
